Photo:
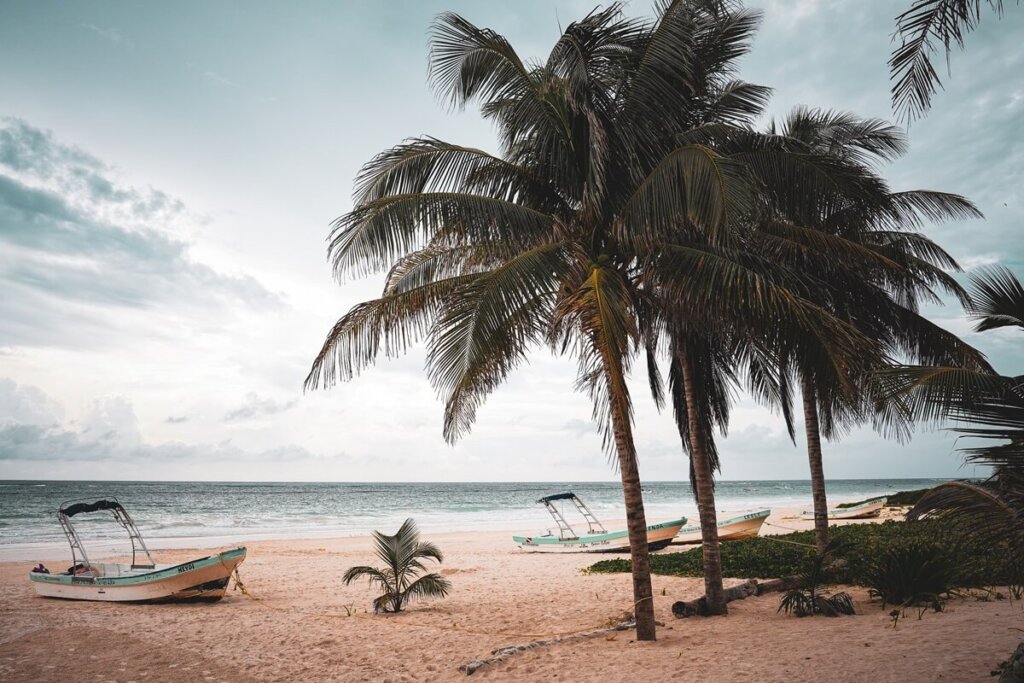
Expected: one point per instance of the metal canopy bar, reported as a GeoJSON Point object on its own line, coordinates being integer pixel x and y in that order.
{"type": "Point", "coordinates": [69, 508]}
{"type": "Point", "coordinates": [592, 522]}
{"type": "Point", "coordinates": [566, 532]}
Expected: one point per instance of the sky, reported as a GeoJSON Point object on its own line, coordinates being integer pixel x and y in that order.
{"type": "Point", "coordinates": [168, 174]}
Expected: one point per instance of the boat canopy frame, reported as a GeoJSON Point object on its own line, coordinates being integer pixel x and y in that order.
{"type": "Point", "coordinates": [565, 531]}
{"type": "Point", "coordinates": [70, 508]}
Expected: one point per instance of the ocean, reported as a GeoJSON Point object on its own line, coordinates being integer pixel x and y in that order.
{"type": "Point", "coordinates": [205, 513]}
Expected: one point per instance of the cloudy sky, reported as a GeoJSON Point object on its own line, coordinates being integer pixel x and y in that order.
{"type": "Point", "coordinates": [168, 172]}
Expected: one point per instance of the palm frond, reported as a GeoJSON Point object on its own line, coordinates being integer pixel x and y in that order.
{"type": "Point", "coordinates": [692, 184]}
{"type": "Point", "coordinates": [997, 299]}
{"type": "Point", "coordinates": [468, 62]}
{"type": "Point", "coordinates": [485, 332]}
{"type": "Point", "coordinates": [390, 324]}
{"type": "Point", "coordinates": [427, 164]}
{"type": "Point", "coordinates": [920, 30]}
{"type": "Point", "coordinates": [600, 309]}
{"type": "Point", "coordinates": [427, 586]}
{"type": "Point", "coordinates": [376, 576]}
{"type": "Point", "coordinates": [374, 234]}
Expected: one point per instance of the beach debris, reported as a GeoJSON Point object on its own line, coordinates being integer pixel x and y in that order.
{"type": "Point", "coordinates": [699, 607]}
{"type": "Point", "coordinates": [503, 653]}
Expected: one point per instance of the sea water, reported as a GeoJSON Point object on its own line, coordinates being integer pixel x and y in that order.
{"type": "Point", "coordinates": [167, 513]}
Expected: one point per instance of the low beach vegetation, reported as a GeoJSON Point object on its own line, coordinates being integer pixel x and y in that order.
{"type": "Point", "coordinates": [399, 579]}
{"type": "Point", "coordinates": [911, 574]}
{"type": "Point", "coordinates": [854, 562]}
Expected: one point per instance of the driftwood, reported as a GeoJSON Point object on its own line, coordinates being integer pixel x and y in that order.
{"type": "Point", "coordinates": [699, 607]}
{"type": "Point", "coordinates": [502, 653]}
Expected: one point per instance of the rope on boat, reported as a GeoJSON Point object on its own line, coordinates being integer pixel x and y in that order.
{"type": "Point", "coordinates": [239, 586]}
{"type": "Point", "coordinates": [609, 624]}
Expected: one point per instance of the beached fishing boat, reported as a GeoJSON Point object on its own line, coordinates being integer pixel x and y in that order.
{"type": "Point", "coordinates": [201, 579]}
{"type": "Point", "coordinates": [869, 508]}
{"type": "Point", "coordinates": [743, 526]}
{"type": "Point", "coordinates": [597, 539]}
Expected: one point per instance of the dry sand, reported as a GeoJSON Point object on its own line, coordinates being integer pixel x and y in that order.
{"type": "Point", "coordinates": [299, 628]}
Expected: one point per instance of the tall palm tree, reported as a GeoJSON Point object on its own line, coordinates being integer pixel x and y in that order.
{"type": "Point", "coordinates": [921, 29]}
{"type": "Point", "coordinates": [985, 406]}
{"type": "Point", "coordinates": [596, 225]}
{"type": "Point", "coordinates": [880, 268]}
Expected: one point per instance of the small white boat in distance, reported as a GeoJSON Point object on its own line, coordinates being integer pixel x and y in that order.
{"type": "Point", "coordinates": [731, 529]}
{"type": "Point", "coordinates": [869, 508]}
{"type": "Point", "coordinates": [204, 579]}
{"type": "Point", "coordinates": [597, 539]}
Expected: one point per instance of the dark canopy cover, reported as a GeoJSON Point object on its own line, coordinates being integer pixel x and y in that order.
{"type": "Point", "coordinates": [558, 496]}
{"type": "Point", "coordinates": [77, 508]}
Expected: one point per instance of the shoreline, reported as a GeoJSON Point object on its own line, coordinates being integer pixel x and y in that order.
{"type": "Point", "coordinates": [781, 521]}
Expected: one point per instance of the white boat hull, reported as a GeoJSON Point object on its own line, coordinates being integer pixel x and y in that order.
{"type": "Point", "coordinates": [870, 509]}
{"type": "Point", "coordinates": [658, 536]}
{"type": "Point", "coordinates": [744, 526]}
{"type": "Point", "coordinates": [203, 579]}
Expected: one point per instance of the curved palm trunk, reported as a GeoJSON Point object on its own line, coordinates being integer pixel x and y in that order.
{"type": "Point", "coordinates": [705, 493]}
{"type": "Point", "coordinates": [636, 520]}
{"type": "Point", "coordinates": [812, 429]}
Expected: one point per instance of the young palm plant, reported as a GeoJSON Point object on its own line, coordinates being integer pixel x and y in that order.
{"type": "Point", "coordinates": [811, 597]}
{"type": "Point", "coordinates": [598, 230]}
{"type": "Point", "coordinates": [399, 579]}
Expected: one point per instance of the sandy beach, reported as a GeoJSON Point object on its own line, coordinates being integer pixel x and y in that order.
{"type": "Point", "coordinates": [302, 623]}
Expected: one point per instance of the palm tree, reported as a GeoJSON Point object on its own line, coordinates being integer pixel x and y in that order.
{"type": "Point", "coordinates": [597, 225]}
{"type": "Point", "coordinates": [984, 406]}
{"type": "Point", "coordinates": [877, 269]}
{"type": "Point", "coordinates": [398, 581]}
{"type": "Point", "coordinates": [920, 30]}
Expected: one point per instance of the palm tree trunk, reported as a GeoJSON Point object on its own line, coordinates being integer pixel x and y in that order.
{"type": "Point", "coordinates": [811, 426]}
{"type": "Point", "coordinates": [705, 492]}
{"type": "Point", "coordinates": [636, 520]}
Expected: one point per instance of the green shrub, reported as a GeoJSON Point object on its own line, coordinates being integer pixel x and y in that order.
{"type": "Point", "coordinates": [913, 573]}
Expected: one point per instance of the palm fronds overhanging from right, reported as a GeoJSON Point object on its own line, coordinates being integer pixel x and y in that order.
{"type": "Point", "coordinates": [987, 409]}
{"type": "Point", "coordinates": [920, 31]}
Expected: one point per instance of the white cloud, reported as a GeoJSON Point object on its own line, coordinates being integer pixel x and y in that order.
{"type": "Point", "coordinates": [256, 406]}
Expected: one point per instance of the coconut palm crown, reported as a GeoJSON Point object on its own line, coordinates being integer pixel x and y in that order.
{"type": "Point", "coordinates": [397, 579]}
{"type": "Point", "coordinates": [887, 269]}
